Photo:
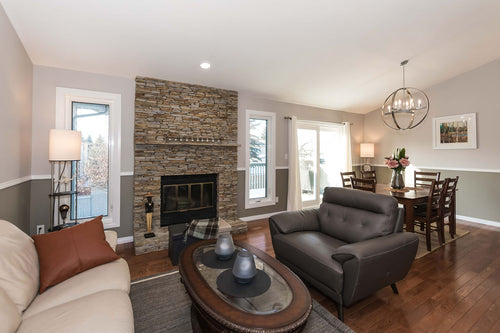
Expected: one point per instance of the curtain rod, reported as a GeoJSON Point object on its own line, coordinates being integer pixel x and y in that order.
{"type": "Point", "coordinates": [334, 122]}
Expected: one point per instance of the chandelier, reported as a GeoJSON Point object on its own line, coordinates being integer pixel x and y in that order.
{"type": "Point", "coordinates": [406, 107]}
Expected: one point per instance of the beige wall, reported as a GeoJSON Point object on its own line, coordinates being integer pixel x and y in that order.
{"type": "Point", "coordinates": [479, 169]}
{"type": "Point", "coordinates": [16, 82]}
{"type": "Point", "coordinates": [474, 91]}
{"type": "Point", "coordinates": [16, 77]}
{"type": "Point", "coordinates": [45, 81]}
{"type": "Point", "coordinates": [248, 102]}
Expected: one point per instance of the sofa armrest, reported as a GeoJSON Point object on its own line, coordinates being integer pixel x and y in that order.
{"type": "Point", "coordinates": [300, 220]}
{"type": "Point", "coordinates": [111, 238]}
{"type": "Point", "coordinates": [400, 220]}
{"type": "Point", "coordinates": [375, 263]}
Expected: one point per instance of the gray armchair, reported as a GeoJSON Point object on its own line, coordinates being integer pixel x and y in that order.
{"type": "Point", "coordinates": [350, 247]}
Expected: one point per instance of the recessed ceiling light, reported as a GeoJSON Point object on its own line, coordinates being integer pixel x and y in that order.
{"type": "Point", "coordinates": [205, 65]}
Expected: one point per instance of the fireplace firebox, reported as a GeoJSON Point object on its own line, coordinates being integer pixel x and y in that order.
{"type": "Point", "coordinates": [188, 197]}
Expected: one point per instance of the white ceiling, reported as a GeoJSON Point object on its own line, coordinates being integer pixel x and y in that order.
{"type": "Point", "coordinates": [341, 55]}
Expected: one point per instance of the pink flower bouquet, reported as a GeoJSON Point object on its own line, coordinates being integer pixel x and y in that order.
{"type": "Point", "coordinates": [397, 161]}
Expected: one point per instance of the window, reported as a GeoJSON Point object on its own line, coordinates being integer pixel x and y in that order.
{"type": "Point", "coordinates": [322, 156]}
{"type": "Point", "coordinates": [97, 116]}
{"type": "Point", "coordinates": [260, 159]}
{"type": "Point", "coordinates": [93, 175]}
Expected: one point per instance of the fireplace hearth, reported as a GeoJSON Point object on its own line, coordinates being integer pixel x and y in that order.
{"type": "Point", "coordinates": [188, 197]}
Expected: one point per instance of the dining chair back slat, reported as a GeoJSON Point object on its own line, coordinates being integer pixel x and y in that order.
{"type": "Point", "coordinates": [363, 184]}
{"type": "Point", "coordinates": [424, 179]}
{"type": "Point", "coordinates": [369, 175]}
{"type": "Point", "coordinates": [346, 178]}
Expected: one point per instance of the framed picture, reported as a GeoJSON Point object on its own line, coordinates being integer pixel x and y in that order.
{"type": "Point", "coordinates": [455, 132]}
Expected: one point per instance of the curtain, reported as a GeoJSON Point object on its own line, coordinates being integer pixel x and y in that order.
{"type": "Point", "coordinates": [347, 138]}
{"type": "Point", "coordinates": [294, 200]}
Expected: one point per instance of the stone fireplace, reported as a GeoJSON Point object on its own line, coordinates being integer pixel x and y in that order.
{"type": "Point", "coordinates": [183, 130]}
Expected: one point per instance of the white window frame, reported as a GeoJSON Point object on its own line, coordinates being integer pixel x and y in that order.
{"type": "Point", "coordinates": [317, 126]}
{"type": "Point", "coordinates": [64, 99]}
{"type": "Point", "coordinates": [270, 198]}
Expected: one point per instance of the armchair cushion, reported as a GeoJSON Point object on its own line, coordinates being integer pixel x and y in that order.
{"type": "Point", "coordinates": [108, 311]}
{"type": "Point", "coordinates": [311, 252]}
{"type": "Point", "coordinates": [9, 314]}
{"type": "Point", "coordinates": [354, 216]}
{"type": "Point", "coordinates": [18, 265]}
{"type": "Point", "coordinates": [114, 275]}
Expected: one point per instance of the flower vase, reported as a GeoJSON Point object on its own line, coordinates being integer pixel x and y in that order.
{"type": "Point", "coordinates": [397, 181]}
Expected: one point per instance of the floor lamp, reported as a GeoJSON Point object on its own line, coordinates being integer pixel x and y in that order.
{"type": "Point", "coordinates": [64, 148]}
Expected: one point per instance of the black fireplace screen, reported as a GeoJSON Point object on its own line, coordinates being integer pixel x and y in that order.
{"type": "Point", "coordinates": [188, 197]}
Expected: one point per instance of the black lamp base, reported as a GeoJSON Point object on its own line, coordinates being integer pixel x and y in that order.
{"type": "Point", "coordinates": [149, 235]}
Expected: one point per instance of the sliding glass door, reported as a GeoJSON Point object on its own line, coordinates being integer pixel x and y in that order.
{"type": "Point", "coordinates": [322, 156]}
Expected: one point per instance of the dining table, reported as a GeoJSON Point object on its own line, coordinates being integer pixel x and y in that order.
{"type": "Point", "coordinates": [408, 197]}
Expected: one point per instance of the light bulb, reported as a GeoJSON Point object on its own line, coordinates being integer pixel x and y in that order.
{"type": "Point", "coordinates": [205, 65]}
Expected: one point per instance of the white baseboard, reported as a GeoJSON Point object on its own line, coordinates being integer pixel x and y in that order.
{"type": "Point", "coordinates": [258, 217]}
{"type": "Point", "coordinates": [123, 240]}
{"type": "Point", "coordinates": [476, 220]}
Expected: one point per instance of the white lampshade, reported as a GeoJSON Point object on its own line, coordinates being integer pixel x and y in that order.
{"type": "Point", "coordinates": [65, 145]}
{"type": "Point", "coordinates": [367, 150]}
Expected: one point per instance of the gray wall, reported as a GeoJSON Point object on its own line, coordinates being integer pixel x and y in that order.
{"type": "Point", "coordinates": [15, 205]}
{"type": "Point", "coordinates": [478, 192]}
{"type": "Point", "coordinates": [479, 169]}
{"type": "Point", "coordinates": [16, 77]}
{"type": "Point", "coordinates": [246, 101]}
{"type": "Point", "coordinates": [39, 204]}
{"type": "Point", "coordinates": [45, 81]}
{"type": "Point", "coordinates": [281, 193]}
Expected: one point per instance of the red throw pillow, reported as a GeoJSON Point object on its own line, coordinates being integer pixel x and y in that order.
{"type": "Point", "coordinates": [67, 252]}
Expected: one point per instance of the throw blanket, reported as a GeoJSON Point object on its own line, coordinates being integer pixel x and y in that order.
{"type": "Point", "coordinates": [203, 229]}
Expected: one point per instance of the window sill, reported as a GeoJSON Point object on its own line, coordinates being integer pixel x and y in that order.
{"type": "Point", "coordinates": [263, 203]}
{"type": "Point", "coordinates": [107, 222]}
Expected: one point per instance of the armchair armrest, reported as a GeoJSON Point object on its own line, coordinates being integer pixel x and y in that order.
{"type": "Point", "coordinates": [375, 263]}
{"type": "Point", "coordinates": [300, 220]}
{"type": "Point", "coordinates": [111, 238]}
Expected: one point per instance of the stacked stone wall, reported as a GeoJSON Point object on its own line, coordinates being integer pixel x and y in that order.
{"type": "Point", "coordinates": [182, 129]}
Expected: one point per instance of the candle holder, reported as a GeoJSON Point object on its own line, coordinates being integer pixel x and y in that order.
{"type": "Point", "coordinates": [244, 268]}
{"type": "Point", "coordinates": [224, 248]}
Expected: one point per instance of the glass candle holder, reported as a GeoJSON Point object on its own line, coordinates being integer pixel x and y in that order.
{"type": "Point", "coordinates": [224, 248]}
{"type": "Point", "coordinates": [244, 268]}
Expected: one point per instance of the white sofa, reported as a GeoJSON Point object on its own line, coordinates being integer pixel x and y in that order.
{"type": "Point", "coordinates": [93, 301]}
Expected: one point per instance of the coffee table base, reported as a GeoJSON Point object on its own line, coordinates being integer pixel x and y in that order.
{"type": "Point", "coordinates": [201, 322]}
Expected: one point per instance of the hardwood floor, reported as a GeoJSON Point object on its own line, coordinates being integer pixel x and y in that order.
{"type": "Point", "coordinates": [454, 289]}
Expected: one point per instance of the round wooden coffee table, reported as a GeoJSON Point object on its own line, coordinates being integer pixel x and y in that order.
{"type": "Point", "coordinates": [284, 307]}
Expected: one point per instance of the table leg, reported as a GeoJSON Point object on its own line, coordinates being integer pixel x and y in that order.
{"type": "Point", "coordinates": [409, 216]}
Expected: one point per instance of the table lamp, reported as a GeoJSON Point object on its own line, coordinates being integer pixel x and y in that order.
{"type": "Point", "coordinates": [367, 150]}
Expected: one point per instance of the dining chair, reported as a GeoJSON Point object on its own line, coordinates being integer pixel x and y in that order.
{"type": "Point", "coordinates": [424, 179]}
{"type": "Point", "coordinates": [346, 181]}
{"type": "Point", "coordinates": [369, 175]}
{"type": "Point", "coordinates": [432, 212]}
{"type": "Point", "coordinates": [363, 184]}
{"type": "Point", "coordinates": [448, 207]}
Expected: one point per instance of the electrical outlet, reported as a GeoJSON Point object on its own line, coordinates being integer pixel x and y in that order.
{"type": "Point", "coordinates": [277, 199]}
{"type": "Point", "coordinates": [40, 229]}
